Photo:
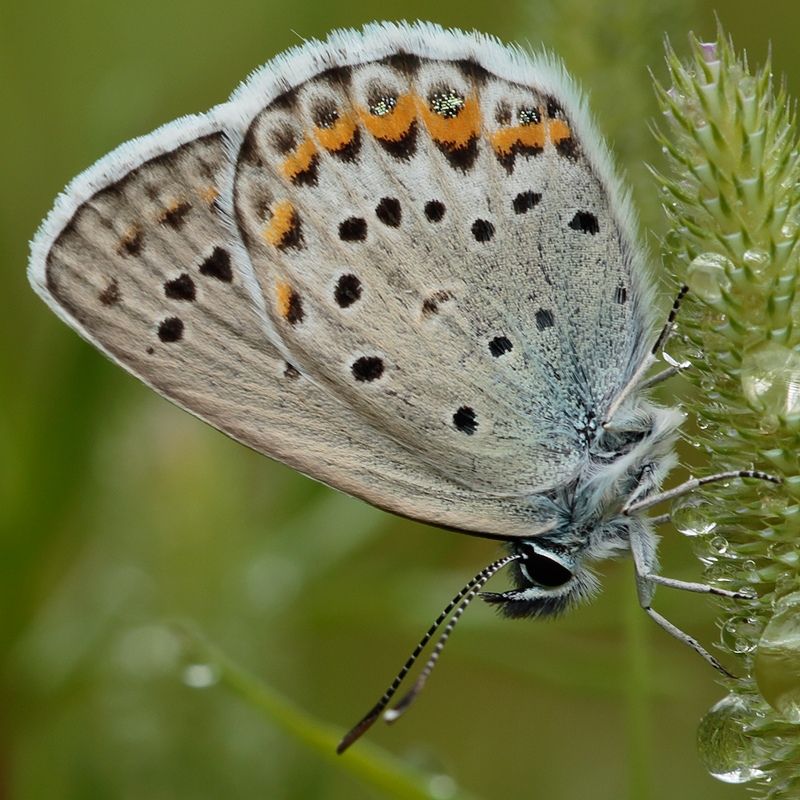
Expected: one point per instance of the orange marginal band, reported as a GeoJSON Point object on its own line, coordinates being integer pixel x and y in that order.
{"type": "Point", "coordinates": [505, 139]}
{"type": "Point", "coordinates": [391, 127]}
{"type": "Point", "coordinates": [559, 131]}
{"type": "Point", "coordinates": [283, 220]}
{"type": "Point", "coordinates": [455, 132]}
{"type": "Point", "coordinates": [298, 161]}
{"type": "Point", "coordinates": [285, 293]}
{"type": "Point", "coordinates": [208, 193]}
{"type": "Point", "coordinates": [339, 135]}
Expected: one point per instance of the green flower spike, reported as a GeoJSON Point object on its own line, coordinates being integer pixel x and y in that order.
{"type": "Point", "coordinates": [732, 195]}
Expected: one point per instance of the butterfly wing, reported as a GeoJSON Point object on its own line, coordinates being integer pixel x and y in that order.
{"type": "Point", "coordinates": [480, 298]}
{"type": "Point", "coordinates": [342, 270]}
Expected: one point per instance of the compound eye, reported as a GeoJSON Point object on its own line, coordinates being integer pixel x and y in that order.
{"type": "Point", "coordinates": [545, 571]}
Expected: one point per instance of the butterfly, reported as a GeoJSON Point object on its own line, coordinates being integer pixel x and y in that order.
{"type": "Point", "coordinates": [401, 262]}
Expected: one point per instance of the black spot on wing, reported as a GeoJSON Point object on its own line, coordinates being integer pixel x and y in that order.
{"type": "Point", "coordinates": [432, 303]}
{"type": "Point", "coordinates": [111, 295]}
{"type": "Point", "coordinates": [500, 345]}
{"type": "Point", "coordinates": [308, 176]}
{"type": "Point", "coordinates": [568, 148]}
{"type": "Point", "coordinates": [460, 158]}
{"type": "Point", "coordinates": [250, 149]}
{"type": "Point", "coordinates": [337, 76]}
{"type": "Point", "coordinates": [434, 211]}
{"type": "Point", "coordinates": [405, 63]}
{"type": "Point", "coordinates": [286, 101]}
{"type": "Point", "coordinates": [472, 70]}
{"type": "Point", "coordinates": [131, 243]}
{"type": "Point", "coordinates": [482, 230]}
{"type": "Point", "coordinates": [348, 153]}
{"type": "Point", "coordinates": [175, 216]}
{"type": "Point", "coordinates": [367, 368]}
{"type": "Point", "coordinates": [294, 313]}
{"type": "Point", "coordinates": [218, 265]}
{"type": "Point", "coordinates": [554, 109]}
{"type": "Point", "coordinates": [525, 201]}
{"type": "Point", "coordinates": [347, 291]}
{"type": "Point", "coordinates": [353, 229]}
{"type": "Point", "coordinates": [284, 140]}
{"type": "Point", "coordinates": [405, 146]}
{"type": "Point", "coordinates": [180, 288]}
{"type": "Point", "coordinates": [544, 319]}
{"type": "Point", "coordinates": [171, 330]}
{"type": "Point", "coordinates": [466, 420]}
{"type": "Point", "coordinates": [585, 222]}
{"type": "Point", "coordinates": [389, 212]}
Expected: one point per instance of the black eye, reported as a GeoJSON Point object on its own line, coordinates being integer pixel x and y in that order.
{"type": "Point", "coordinates": [545, 571]}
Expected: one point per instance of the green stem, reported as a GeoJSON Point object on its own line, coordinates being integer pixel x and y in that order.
{"type": "Point", "coordinates": [367, 762]}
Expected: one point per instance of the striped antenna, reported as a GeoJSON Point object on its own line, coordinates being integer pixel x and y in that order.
{"type": "Point", "coordinates": [462, 600]}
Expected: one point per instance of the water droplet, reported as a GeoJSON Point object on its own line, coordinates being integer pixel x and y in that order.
{"type": "Point", "coordinates": [785, 552]}
{"type": "Point", "coordinates": [768, 424]}
{"type": "Point", "coordinates": [720, 544]}
{"type": "Point", "coordinates": [442, 787]}
{"type": "Point", "coordinates": [707, 385]}
{"type": "Point", "coordinates": [674, 241]}
{"type": "Point", "coordinates": [747, 87]}
{"type": "Point", "coordinates": [777, 662]}
{"type": "Point", "coordinates": [707, 276]}
{"type": "Point", "coordinates": [757, 260]}
{"type": "Point", "coordinates": [722, 572]}
{"type": "Point", "coordinates": [740, 634]}
{"type": "Point", "coordinates": [690, 516]}
{"type": "Point", "coordinates": [726, 750]}
{"type": "Point", "coordinates": [770, 378]}
{"type": "Point", "coordinates": [785, 584]}
{"type": "Point", "coordinates": [200, 676]}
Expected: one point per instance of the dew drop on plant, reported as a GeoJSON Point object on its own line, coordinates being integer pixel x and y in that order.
{"type": "Point", "coordinates": [789, 229]}
{"type": "Point", "coordinates": [770, 378]}
{"type": "Point", "coordinates": [785, 552]}
{"type": "Point", "coordinates": [200, 676]}
{"type": "Point", "coordinates": [720, 544]}
{"type": "Point", "coordinates": [707, 276]}
{"type": "Point", "coordinates": [757, 260]}
{"type": "Point", "coordinates": [726, 750]}
{"type": "Point", "coordinates": [740, 634]}
{"type": "Point", "coordinates": [690, 518]}
{"type": "Point", "coordinates": [768, 424]}
{"type": "Point", "coordinates": [748, 86]}
{"type": "Point", "coordinates": [777, 661]}
{"type": "Point", "coordinates": [442, 787]}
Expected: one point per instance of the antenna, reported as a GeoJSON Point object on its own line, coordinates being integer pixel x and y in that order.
{"type": "Point", "coordinates": [462, 600]}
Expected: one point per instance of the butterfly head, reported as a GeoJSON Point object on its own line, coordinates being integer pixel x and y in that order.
{"type": "Point", "coordinates": [550, 579]}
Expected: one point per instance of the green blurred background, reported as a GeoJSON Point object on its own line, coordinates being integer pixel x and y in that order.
{"type": "Point", "coordinates": [119, 513]}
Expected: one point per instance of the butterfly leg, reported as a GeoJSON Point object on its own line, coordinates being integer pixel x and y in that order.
{"type": "Point", "coordinates": [643, 549]}
{"type": "Point", "coordinates": [681, 636]}
{"type": "Point", "coordinates": [636, 382]}
{"type": "Point", "coordinates": [634, 506]}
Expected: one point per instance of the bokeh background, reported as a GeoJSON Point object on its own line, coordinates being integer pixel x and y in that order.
{"type": "Point", "coordinates": [120, 514]}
